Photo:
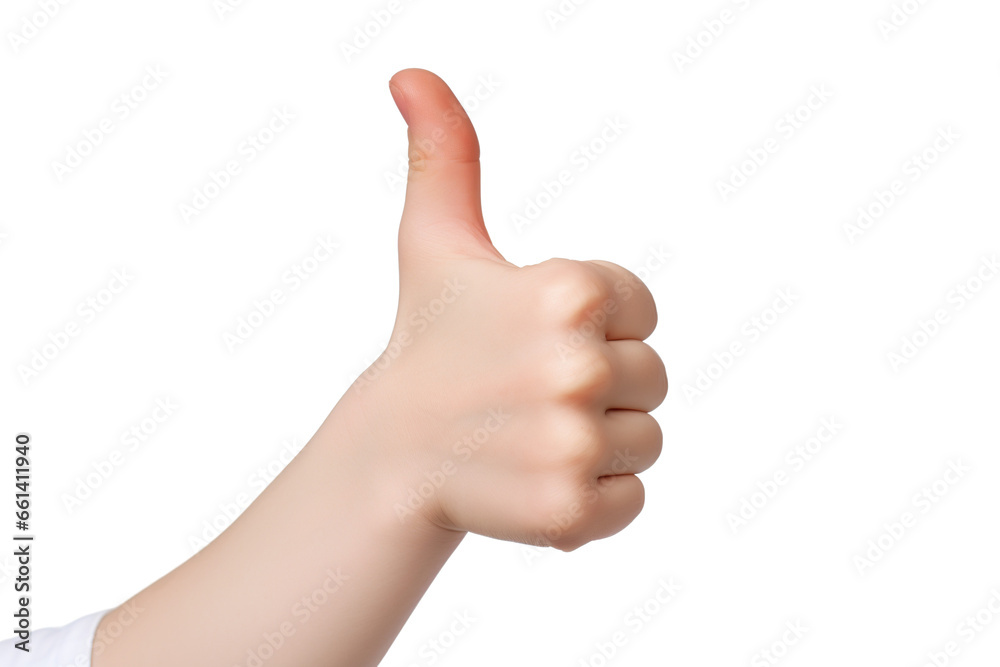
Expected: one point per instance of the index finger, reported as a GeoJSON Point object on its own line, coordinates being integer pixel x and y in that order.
{"type": "Point", "coordinates": [635, 315]}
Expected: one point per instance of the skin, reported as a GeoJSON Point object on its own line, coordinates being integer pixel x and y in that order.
{"type": "Point", "coordinates": [511, 402]}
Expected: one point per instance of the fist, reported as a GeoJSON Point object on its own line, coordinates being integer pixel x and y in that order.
{"type": "Point", "coordinates": [512, 402]}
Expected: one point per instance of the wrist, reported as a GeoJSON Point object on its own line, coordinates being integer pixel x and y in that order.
{"type": "Point", "coordinates": [374, 438]}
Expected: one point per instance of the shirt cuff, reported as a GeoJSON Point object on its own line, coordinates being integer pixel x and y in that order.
{"type": "Point", "coordinates": [68, 646]}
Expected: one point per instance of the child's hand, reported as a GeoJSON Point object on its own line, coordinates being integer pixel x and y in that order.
{"type": "Point", "coordinates": [511, 402]}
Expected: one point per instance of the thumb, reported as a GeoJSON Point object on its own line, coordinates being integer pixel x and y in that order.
{"type": "Point", "coordinates": [443, 212]}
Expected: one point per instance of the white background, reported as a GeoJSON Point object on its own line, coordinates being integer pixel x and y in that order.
{"type": "Point", "coordinates": [654, 190]}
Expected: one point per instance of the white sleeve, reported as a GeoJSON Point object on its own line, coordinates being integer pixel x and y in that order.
{"type": "Point", "coordinates": [68, 646]}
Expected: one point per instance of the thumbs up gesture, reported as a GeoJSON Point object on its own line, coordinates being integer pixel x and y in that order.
{"type": "Point", "coordinates": [512, 402]}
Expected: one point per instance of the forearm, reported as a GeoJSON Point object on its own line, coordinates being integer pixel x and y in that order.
{"type": "Point", "coordinates": [320, 564]}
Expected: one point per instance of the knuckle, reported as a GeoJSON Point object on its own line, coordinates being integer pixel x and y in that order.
{"type": "Point", "coordinates": [584, 376]}
{"type": "Point", "coordinates": [629, 498]}
{"type": "Point", "coordinates": [577, 445]}
{"type": "Point", "coordinates": [417, 159]}
{"type": "Point", "coordinates": [563, 510]}
{"type": "Point", "coordinates": [571, 291]}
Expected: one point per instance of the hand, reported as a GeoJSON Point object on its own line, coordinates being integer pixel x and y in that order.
{"type": "Point", "coordinates": [510, 402]}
